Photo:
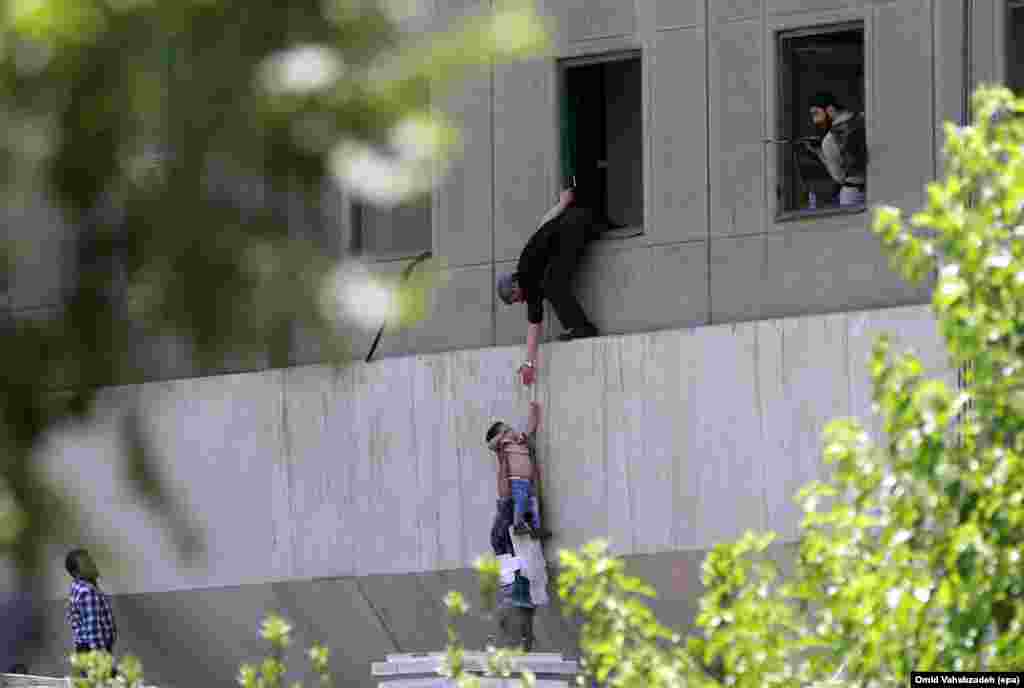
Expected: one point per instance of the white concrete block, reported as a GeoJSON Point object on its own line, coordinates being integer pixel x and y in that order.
{"type": "Point", "coordinates": [573, 445]}
{"type": "Point", "coordinates": [726, 451]}
{"type": "Point", "coordinates": [624, 365]}
{"type": "Point", "coordinates": [665, 491]}
{"type": "Point", "coordinates": [804, 384]}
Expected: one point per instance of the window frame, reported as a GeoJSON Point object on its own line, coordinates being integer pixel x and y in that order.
{"type": "Point", "coordinates": [353, 212]}
{"type": "Point", "coordinates": [1007, 43]}
{"type": "Point", "coordinates": [587, 59]}
{"type": "Point", "coordinates": [778, 126]}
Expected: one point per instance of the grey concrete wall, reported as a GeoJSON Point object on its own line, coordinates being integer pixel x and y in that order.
{"type": "Point", "coordinates": [200, 637]}
{"type": "Point", "coordinates": [711, 250]}
{"type": "Point", "coordinates": [381, 469]}
{"type": "Point", "coordinates": [668, 441]}
{"type": "Point", "coordinates": [346, 498]}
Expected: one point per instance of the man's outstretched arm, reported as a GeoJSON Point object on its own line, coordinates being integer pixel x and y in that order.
{"type": "Point", "coordinates": [565, 198]}
{"type": "Point", "coordinates": [532, 341]}
{"type": "Point", "coordinates": [528, 371]}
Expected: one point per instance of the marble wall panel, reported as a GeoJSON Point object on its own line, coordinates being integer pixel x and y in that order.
{"type": "Point", "coordinates": [667, 490]}
{"type": "Point", "coordinates": [573, 446]}
{"type": "Point", "coordinates": [736, 108]}
{"type": "Point", "coordinates": [795, 357]}
{"type": "Point", "coordinates": [679, 122]}
{"type": "Point", "coordinates": [725, 452]}
{"type": "Point", "coordinates": [900, 134]}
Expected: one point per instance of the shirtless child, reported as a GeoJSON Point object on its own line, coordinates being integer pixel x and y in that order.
{"type": "Point", "coordinates": [518, 472]}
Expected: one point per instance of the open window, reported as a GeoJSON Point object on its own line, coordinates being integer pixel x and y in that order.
{"type": "Point", "coordinates": [815, 61]}
{"type": "Point", "coordinates": [1015, 46]}
{"type": "Point", "coordinates": [601, 100]}
{"type": "Point", "coordinates": [403, 231]}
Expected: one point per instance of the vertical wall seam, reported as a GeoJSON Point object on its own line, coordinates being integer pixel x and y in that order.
{"type": "Point", "coordinates": [602, 349]}
{"type": "Point", "coordinates": [643, 450]}
{"type": "Point", "coordinates": [288, 450]}
{"type": "Point", "coordinates": [848, 364]}
{"type": "Point", "coordinates": [458, 465]}
{"type": "Point", "coordinates": [997, 69]}
{"type": "Point", "coordinates": [420, 555]}
{"type": "Point", "coordinates": [759, 398]}
{"type": "Point", "coordinates": [933, 8]}
{"type": "Point", "coordinates": [492, 98]}
{"type": "Point", "coordinates": [968, 47]}
{"type": "Point", "coordinates": [707, 151]}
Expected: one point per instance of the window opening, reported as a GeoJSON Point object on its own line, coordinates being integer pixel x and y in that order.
{"type": "Point", "coordinates": [402, 231]}
{"type": "Point", "coordinates": [825, 61]}
{"type": "Point", "coordinates": [601, 133]}
{"type": "Point", "coordinates": [1015, 46]}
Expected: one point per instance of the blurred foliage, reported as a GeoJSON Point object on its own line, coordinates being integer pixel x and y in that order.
{"type": "Point", "coordinates": [192, 146]}
{"type": "Point", "coordinates": [910, 554]}
{"type": "Point", "coordinates": [95, 669]}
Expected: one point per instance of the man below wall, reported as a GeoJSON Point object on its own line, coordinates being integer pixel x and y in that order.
{"type": "Point", "coordinates": [515, 608]}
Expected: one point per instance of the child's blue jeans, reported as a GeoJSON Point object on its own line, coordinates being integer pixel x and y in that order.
{"type": "Point", "coordinates": [522, 499]}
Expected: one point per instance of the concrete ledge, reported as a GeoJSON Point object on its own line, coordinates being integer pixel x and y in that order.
{"type": "Point", "coordinates": [484, 683]}
{"type": "Point", "coordinates": [28, 681]}
{"type": "Point", "coordinates": [546, 663]}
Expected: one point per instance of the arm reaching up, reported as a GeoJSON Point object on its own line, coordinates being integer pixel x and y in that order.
{"type": "Point", "coordinates": [503, 488]}
{"type": "Point", "coordinates": [534, 422]}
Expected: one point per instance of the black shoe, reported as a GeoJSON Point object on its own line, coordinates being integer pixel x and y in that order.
{"type": "Point", "coordinates": [578, 333]}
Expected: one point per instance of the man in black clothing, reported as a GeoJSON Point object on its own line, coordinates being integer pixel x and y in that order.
{"type": "Point", "coordinates": [545, 271]}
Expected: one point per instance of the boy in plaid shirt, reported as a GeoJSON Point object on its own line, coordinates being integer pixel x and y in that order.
{"type": "Point", "coordinates": [88, 610]}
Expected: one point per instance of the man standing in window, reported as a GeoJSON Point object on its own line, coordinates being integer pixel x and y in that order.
{"type": "Point", "coordinates": [88, 610]}
{"type": "Point", "coordinates": [844, 149]}
{"type": "Point", "coordinates": [545, 271]}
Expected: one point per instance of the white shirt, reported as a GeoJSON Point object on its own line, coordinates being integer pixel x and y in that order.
{"type": "Point", "coordinates": [831, 156]}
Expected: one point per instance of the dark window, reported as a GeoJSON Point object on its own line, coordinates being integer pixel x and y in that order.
{"type": "Point", "coordinates": [602, 135]}
{"type": "Point", "coordinates": [390, 233]}
{"type": "Point", "coordinates": [1015, 46]}
{"type": "Point", "coordinates": [813, 62]}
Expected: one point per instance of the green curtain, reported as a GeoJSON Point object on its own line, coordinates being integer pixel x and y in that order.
{"type": "Point", "coordinates": [568, 135]}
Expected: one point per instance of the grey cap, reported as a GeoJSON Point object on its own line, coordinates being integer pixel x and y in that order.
{"type": "Point", "coordinates": [506, 285]}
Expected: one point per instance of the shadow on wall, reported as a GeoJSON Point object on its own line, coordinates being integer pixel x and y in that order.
{"type": "Point", "coordinates": [202, 636]}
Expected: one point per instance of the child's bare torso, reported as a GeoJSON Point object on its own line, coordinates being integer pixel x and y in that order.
{"type": "Point", "coordinates": [517, 454]}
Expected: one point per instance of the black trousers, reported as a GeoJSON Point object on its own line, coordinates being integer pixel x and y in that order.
{"type": "Point", "coordinates": [576, 229]}
{"type": "Point", "coordinates": [515, 628]}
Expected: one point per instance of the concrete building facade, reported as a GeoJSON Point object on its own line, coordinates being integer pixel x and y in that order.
{"type": "Point", "coordinates": [736, 327]}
